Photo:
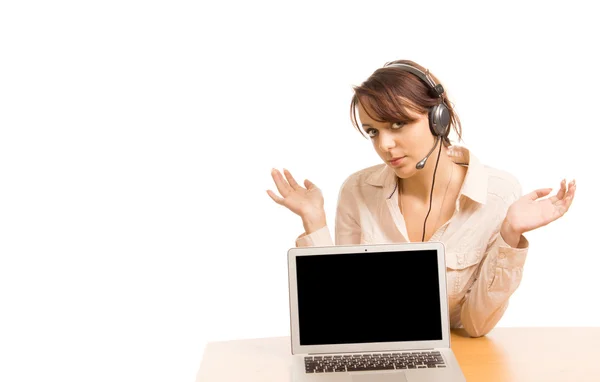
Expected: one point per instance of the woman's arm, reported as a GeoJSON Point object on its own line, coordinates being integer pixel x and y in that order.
{"type": "Point", "coordinates": [501, 270]}
{"type": "Point", "coordinates": [347, 228]}
{"type": "Point", "coordinates": [498, 276]}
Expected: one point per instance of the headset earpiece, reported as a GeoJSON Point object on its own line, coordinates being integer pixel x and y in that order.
{"type": "Point", "coordinates": [439, 120]}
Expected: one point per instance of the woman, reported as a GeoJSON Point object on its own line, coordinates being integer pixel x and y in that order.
{"type": "Point", "coordinates": [476, 211]}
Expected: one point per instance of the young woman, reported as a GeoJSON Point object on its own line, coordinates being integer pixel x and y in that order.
{"type": "Point", "coordinates": [424, 191]}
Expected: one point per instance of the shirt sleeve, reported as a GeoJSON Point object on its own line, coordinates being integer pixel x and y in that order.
{"type": "Point", "coordinates": [498, 276]}
{"type": "Point", "coordinates": [347, 228]}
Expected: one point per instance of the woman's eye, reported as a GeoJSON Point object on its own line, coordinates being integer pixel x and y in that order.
{"type": "Point", "coordinates": [372, 133]}
{"type": "Point", "coordinates": [397, 125]}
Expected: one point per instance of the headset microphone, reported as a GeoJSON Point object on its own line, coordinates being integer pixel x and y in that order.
{"type": "Point", "coordinates": [421, 163]}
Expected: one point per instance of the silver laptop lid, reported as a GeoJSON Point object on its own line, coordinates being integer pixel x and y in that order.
{"type": "Point", "coordinates": [363, 298]}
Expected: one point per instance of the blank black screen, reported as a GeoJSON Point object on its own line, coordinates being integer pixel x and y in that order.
{"type": "Point", "coordinates": [368, 297]}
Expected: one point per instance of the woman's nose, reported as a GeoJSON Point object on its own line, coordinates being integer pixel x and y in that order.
{"type": "Point", "coordinates": [386, 141]}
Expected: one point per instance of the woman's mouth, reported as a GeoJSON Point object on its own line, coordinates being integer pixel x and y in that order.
{"type": "Point", "coordinates": [397, 161]}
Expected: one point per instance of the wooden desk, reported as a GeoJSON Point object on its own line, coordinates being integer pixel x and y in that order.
{"type": "Point", "coordinates": [504, 355]}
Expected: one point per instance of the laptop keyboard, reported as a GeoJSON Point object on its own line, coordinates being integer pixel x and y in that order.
{"type": "Point", "coordinates": [378, 361]}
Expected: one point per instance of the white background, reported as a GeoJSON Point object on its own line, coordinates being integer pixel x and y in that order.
{"type": "Point", "coordinates": [137, 140]}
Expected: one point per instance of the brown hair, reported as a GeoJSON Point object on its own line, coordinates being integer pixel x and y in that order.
{"type": "Point", "coordinates": [389, 91]}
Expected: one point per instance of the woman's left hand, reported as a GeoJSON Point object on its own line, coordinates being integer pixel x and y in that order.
{"type": "Point", "coordinates": [529, 213]}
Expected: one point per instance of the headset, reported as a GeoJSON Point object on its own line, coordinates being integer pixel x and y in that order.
{"type": "Point", "coordinates": [439, 115]}
{"type": "Point", "coordinates": [439, 122]}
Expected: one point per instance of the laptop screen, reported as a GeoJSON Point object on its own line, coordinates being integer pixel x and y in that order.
{"type": "Point", "coordinates": [368, 297]}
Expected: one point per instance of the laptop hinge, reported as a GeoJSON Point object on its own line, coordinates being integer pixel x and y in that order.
{"type": "Point", "coordinates": [370, 351]}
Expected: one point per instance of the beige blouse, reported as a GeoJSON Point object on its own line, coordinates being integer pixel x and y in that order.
{"type": "Point", "coordinates": [483, 271]}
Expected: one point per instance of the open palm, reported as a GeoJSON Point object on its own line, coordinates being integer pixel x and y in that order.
{"type": "Point", "coordinates": [300, 200]}
{"type": "Point", "coordinates": [529, 213]}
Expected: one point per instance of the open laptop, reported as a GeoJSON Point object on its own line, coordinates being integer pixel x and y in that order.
{"type": "Point", "coordinates": [376, 313]}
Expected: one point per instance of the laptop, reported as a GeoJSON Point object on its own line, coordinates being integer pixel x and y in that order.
{"type": "Point", "coordinates": [375, 313]}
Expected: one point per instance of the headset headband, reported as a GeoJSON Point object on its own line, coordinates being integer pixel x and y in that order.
{"type": "Point", "coordinates": [438, 88]}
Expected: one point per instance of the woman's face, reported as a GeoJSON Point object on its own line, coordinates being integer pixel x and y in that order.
{"type": "Point", "coordinates": [400, 146]}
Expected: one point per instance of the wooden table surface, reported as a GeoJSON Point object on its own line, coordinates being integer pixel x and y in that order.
{"type": "Point", "coordinates": [504, 355]}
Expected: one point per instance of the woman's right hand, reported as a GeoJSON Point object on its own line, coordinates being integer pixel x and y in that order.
{"type": "Point", "coordinates": [306, 202]}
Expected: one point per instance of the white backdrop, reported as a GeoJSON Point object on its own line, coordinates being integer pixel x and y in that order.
{"type": "Point", "coordinates": [137, 140]}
